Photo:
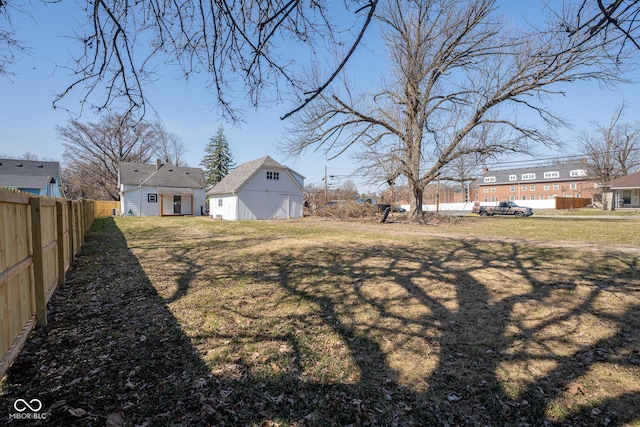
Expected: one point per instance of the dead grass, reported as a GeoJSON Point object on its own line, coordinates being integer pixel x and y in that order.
{"type": "Point", "coordinates": [321, 322]}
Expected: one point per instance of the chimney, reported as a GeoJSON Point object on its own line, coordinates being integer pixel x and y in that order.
{"type": "Point", "coordinates": [485, 171]}
{"type": "Point", "coordinates": [158, 163]}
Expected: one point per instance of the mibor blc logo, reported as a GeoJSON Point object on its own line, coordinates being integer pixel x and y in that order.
{"type": "Point", "coordinates": [27, 410]}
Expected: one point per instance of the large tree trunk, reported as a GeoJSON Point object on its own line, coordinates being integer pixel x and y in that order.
{"type": "Point", "coordinates": [417, 191]}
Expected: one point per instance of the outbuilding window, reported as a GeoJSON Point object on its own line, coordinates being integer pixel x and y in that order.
{"type": "Point", "coordinates": [273, 175]}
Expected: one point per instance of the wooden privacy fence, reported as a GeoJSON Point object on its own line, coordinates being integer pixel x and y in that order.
{"type": "Point", "coordinates": [572, 202]}
{"type": "Point", "coordinates": [39, 238]}
{"type": "Point", "coordinates": [105, 208]}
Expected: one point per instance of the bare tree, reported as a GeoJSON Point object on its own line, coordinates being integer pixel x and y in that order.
{"type": "Point", "coordinates": [171, 148]}
{"type": "Point", "coordinates": [612, 150]}
{"type": "Point", "coordinates": [458, 77]}
{"type": "Point", "coordinates": [93, 151]}
{"type": "Point", "coordinates": [10, 45]}
{"type": "Point", "coordinates": [618, 19]}
{"type": "Point", "coordinates": [233, 42]}
{"type": "Point", "coordinates": [122, 43]}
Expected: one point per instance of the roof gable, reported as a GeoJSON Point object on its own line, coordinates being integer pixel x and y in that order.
{"type": "Point", "coordinates": [237, 177]}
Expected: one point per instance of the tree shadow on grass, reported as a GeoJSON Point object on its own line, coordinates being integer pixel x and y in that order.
{"type": "Point", "coordinates": [434, 337]}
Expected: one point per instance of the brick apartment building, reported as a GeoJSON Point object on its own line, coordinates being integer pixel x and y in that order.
{"type": "Point", "coordinates": [536, 183]}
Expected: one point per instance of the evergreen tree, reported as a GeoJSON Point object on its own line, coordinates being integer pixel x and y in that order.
{"type": "Point", "coordinates": [218, 161]}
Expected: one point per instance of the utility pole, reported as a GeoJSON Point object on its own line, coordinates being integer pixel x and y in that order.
{"type": "Point", "coordinates": [325, 184]}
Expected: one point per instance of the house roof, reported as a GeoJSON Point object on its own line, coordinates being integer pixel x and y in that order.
{"type": "Point", "coordinates": [627, 181]}
{"type": "Point", "coordinates": [168, 175]}
{"type": "Point", "coordinates": [234, 180]}
{"type": "Point", "coordinates": [28, 173]}
{"type": "Point", "coordinates": [550, 173]}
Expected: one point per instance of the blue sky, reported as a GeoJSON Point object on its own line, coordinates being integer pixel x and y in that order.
{"type": "Point", "coordinates": [27, 119]}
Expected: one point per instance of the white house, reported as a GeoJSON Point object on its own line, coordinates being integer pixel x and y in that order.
{"type": "Point", "coordinates": [160, 190]}
{"type": "Point", "coordinates": [259, 189]}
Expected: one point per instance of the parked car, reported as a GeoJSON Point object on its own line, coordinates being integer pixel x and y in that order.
{"type": "Point", "coordinates": [399, 209]}
{"type": "Point", "coordinates": [503, 208]}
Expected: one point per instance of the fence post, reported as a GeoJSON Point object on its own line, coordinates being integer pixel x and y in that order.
{"type": "Point", "coordinates": [60, 242]}
{"type": "Point", "coordinates": [38, 267]}
{"type": "Point", "coordinates": [70, 235]}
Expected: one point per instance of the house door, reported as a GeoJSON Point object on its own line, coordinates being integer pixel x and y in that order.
{"type": "Point", "coordinates": [177, 205]}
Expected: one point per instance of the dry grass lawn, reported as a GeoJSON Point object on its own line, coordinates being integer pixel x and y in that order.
{"type": "Point", "coordinates": [318, 322]}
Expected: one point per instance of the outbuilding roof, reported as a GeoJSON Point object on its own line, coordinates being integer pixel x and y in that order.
{"type": "Point", "coordinates": [628, 181]}
{"type": "Point", "coordinates": [234, 180]}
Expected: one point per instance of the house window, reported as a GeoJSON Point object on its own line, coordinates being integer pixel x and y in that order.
{"type": "Point", "coordinates": [513, 177]}
{"type": "Point", "coordinates": [546, 186]}
{"type": "Point", "coordinates": [152, 198]}
{"type": "Point", "coordinates": [555, 186]}
{"type": "Point", "coordinates": [512, 188]}
{"type": "Point", "coordinates": [532, 188]}
{"type": "Point", "coordinates": [551, 174]}
{"type": "Point", "coordinates": [273, 175]}
{"type": "Point", "coordinates": [219, 202]}
{"type": "Point", "coordinates": [489, 179]}
{"type": "Point", "coordinates": [528, 176]}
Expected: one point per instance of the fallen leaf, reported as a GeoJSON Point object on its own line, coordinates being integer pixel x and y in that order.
{"type": "Point", "coordinates": [77, 412]}
{"type": "Point", "coordinates": [116, 419]}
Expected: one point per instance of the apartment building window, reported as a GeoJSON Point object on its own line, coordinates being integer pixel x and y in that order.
{"type": "Point", "coordinates": [528, 176]}
{"type": "Point", "coordinates": [546, 187]}
{"type": "Point", "coordinates": [489, 179]}
{"type": "Point", "coordinates": [555, 186]}
{"type": "Point", "coordinates": [513, 177]}
{"type": "Point", "coordinates": [573, 186]}
{"type": "Point", "coordinates": [577, 172]}
{"type": "Point", "coordinates": [512, 188]}
{"type": "Point", "coordinates": [486, 199]}
{"type": "Point", "coordinates": [486, 190]}
{"type": "Point", "coordinates": [524, 188]}
{"type": "Point", "coordinates": [532, 188]}
{"type": "Point", "coordinates": [493, 189]}
{"type": "Point", "coordinates": [552, 174]}
{"type": "Point", "coordinates": [533, 197]}
{"type": "Point", "coordinates": [512, 198]}
{"type": "Point", "coordinates": [524, 197]}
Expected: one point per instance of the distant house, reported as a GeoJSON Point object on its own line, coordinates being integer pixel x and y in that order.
{"type": "Point", "coordinates": [160, 189]}
{"type": "Point", "coordinates": [31, 176]}
{"type": "Point", "coordinates": [625, 191]}
{"type": "Point", "coordinates": [259, 189]}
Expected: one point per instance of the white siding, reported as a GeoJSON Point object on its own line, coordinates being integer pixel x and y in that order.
{"type": "Point", "coordinates": [227, 211]}
{"type": "Point", "coordinates": [135, 200]}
